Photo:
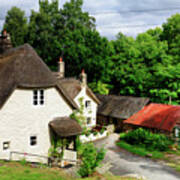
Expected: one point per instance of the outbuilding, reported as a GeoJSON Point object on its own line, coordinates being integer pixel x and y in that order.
{"type": "Point", "coordinates": [157, 117]}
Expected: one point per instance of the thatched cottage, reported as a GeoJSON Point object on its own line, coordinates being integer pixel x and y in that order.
{"type": "Point", "coordinates": [34, 104]}
{"type": "Point", "coordinates": [115, 109]}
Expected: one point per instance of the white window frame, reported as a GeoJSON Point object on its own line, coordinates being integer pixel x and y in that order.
{"type": "Point", "coordinates": [38, 97]}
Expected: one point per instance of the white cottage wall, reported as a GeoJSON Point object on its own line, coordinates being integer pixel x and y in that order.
{"type": "Point", "coordinates": [87, 112]}
{"type": "Point", "coordinates": [20, 119]}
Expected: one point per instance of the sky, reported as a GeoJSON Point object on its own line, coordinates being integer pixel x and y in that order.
{"type": "Point", "coordinates": [112, 16]}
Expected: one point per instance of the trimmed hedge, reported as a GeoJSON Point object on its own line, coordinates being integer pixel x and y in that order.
{"type": "Point", "coordinates": [147, 139]}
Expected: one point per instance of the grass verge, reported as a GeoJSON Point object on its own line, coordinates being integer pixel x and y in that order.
{"type": "Point", "coordinates": [140, 150]}
{"type": "Point", "coordinates": [152, 154]}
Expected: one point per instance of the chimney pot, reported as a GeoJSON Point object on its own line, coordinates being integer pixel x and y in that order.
{"type": "Point", "coordinates": [60, 59]}
{"type": "Point", "coordinates": [4, 33]}
{"type": "Point", "coordinates": [61, 68]}
{"type": "Point", "coordinates": [83, 78]}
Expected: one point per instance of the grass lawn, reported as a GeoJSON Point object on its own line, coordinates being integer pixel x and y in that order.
{"type": "Point", "coordinates": [18, 171]}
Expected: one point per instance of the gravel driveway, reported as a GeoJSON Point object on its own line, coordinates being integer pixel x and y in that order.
{"type": "Point", "coordinates": [122, 163]}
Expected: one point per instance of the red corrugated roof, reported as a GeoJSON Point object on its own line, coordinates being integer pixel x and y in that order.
{"type": "Point", "coordinates": [158, 116]}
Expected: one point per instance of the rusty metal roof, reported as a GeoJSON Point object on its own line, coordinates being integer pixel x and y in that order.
{"type": "Point", "coordinates": [156, 116]}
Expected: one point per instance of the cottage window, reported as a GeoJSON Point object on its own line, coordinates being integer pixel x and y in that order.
{"type": "Point", "coordinates": [41, 97]}
{"type": "Point", "coordinates": [38, 97]}
{"type": "Point", "coordinates": [88, 104]}
{"type": "Point", "coordinates": [89, 120]}
{"type": "Point", "coordinates": [33, 140]}
{"type": "Point", "coordinates": [6, 145]}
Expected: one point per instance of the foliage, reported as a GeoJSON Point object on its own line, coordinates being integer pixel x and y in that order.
{"type": "Point", "coordinates": [100, 88]}
{"type": "Point", "coordinates": [16, 25]}
{"type": "Point", "coordinates": [79, 116]}
{"type": "Point", "coordinates": [91, 158]}
{"type": "Point", "coordinates": [23, 162]}
{"type": "Point", "coordinates": [57, 146]}
{"type": "Point", "coordinates": [95, 133]}
{"type": "Point", "coordinates": [145, 138]}
{"type": "Point", "coordinates": [145, 66]}
{"type": "Point", "coordinates": [95, 130]}
{"type": "Point", "coordinates": [102, 130]}
{"type": "Point", "coordinates": [78, 144]}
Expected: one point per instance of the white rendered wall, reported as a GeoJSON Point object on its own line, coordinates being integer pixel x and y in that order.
{"type": "Point", "coordinates": [20, 119]}
{"type": "Point", "coordinates": [87, 112]}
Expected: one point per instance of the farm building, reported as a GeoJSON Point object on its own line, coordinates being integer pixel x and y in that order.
{"type": "Point", "coordinates": [158, 118]}
{"type": "Point", "coordinates": [115, 109]}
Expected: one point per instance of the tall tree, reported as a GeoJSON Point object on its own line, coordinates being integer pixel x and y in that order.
{"type": "Point", "coordinates": [16, 25]}
{"type": "Point", "coordinates": [71, 32]}
{"type": "Point", "coordinates": [42, 33]}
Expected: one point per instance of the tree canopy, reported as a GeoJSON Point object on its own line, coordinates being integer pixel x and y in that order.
{"type": "Point", "coordinates": [16, 25]}
{"type": "Point", "coordinates": [148, 65]}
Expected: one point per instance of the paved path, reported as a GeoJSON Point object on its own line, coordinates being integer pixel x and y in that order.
{"type": "Point", "coordinates": [123, 163]}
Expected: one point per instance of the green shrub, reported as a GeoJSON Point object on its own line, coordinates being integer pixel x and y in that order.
{"type": "Point", "coordinates": [91, 158]}
{"type": "Point", "coordinates": [148, 140]}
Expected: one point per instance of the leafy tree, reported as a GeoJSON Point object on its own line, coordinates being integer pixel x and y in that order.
{"type": "Point", "coordinates": [100, 88]}
{"type": "Point", "coordinates": [16, 25]}
{"type": "Point", "coordinates": [42, 33]}
{"type": "Point", "coordinates": [143, 67]}
{"type": "Point", "coordinates": [147, 65]}
{"type": "Point", "coordinates": [171, 33]}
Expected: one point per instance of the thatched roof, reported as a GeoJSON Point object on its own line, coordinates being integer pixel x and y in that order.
{"type": "Point", "coordinates": [73, 87]}
{"type": "Point", "coordinates": [22, 68]}
{"type": "Point", "coordinates": [65, 127]}
{"type": "Point", "coordinates": [121, 107]}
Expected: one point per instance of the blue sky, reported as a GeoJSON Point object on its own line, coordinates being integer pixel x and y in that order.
{"type": "Point", "coordinates": [112, 16]}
